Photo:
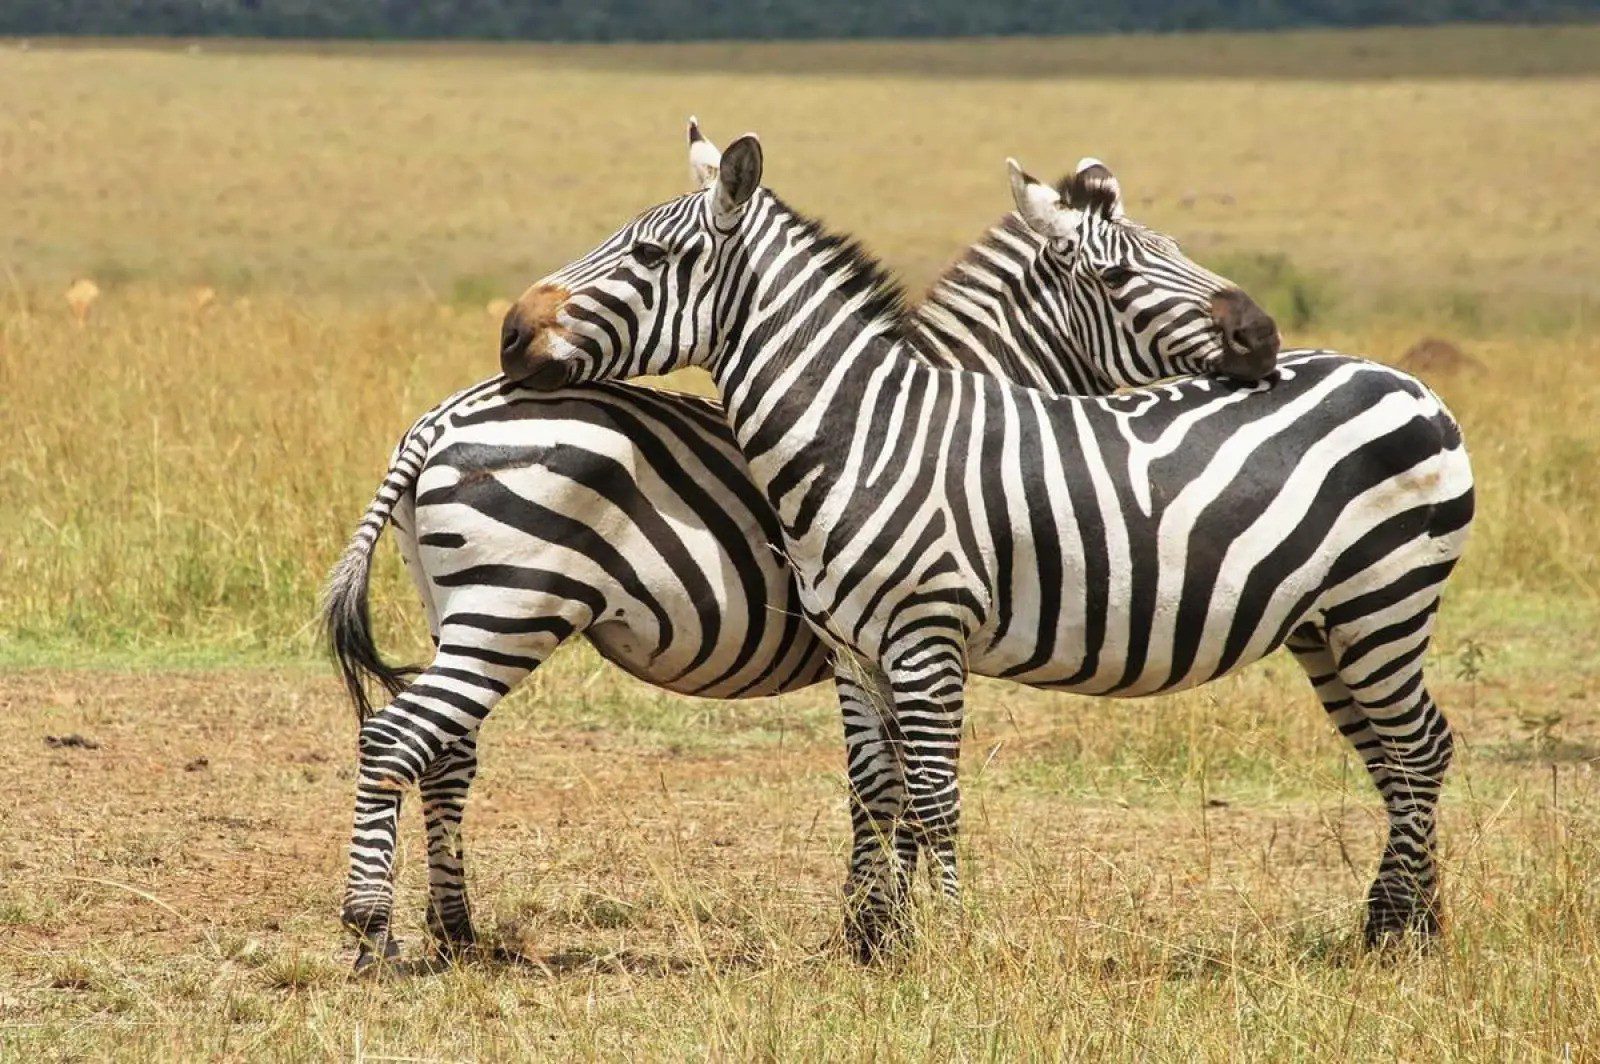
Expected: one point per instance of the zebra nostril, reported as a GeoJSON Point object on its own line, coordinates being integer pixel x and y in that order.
{"type": "Point", "coordinates": [1239, 339]}
{"type": "Point", "coordinates": [512, 339]}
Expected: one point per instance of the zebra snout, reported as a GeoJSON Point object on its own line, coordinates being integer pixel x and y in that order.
{"type": "Point", "coordinates": [525, 338]}
{"type": "Point", "coordinates": [515, 336]}
{"type": "Point", "coordinates": [1249, 336]}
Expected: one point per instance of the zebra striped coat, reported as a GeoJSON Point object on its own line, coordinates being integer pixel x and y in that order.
{"type": "Point", "coordinates": [626, 515]}
{"type": "Point", "coordinates": [940, 522]}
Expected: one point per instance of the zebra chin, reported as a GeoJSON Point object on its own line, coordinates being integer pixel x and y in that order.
{"type": "Point", "coordinates": [539, 374]}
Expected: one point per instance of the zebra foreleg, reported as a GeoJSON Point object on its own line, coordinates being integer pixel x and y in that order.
{"type": "Point", "coordinates": [927, 686]}
{"type": "Point", "coordinates": [883, 850]}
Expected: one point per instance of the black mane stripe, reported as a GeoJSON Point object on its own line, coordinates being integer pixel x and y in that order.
{"type": "Point", "coordinates": [886, 296]}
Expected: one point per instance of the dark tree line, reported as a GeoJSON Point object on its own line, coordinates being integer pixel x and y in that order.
{"type": "Point", "coordinates": [602, 20]}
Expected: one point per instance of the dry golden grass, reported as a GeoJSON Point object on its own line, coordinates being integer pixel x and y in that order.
{"type": "Point", "coordinates": [400, 172]}
{"type": "Point", "coordinates": [293, 250]}
{"type": "Point", "coordinates": [177, 483]}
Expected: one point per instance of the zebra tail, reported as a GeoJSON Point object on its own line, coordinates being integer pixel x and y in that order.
{"type": "Point", "coordinates": [347, 624]}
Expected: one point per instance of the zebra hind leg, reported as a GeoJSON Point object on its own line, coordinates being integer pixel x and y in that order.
{"type": "Point", "coordinates": [883, 850]}
{"type": "Point", "coordinates": [444, 800]}
{"type": "Point", "coordinates": [1310, 649]}
{"type": "Point", "coordinates": [399, 747]}
{"type": "Point", "coordinates": [1381, 666]}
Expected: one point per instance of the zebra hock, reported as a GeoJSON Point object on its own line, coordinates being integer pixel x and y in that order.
{"type": "Point", "coordinates": [942, 523]}
{"type": "Point", "coordinates": [623, 515]}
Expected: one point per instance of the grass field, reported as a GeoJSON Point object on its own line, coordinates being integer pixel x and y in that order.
{"type": "Point", "coordinates": [295, 246]}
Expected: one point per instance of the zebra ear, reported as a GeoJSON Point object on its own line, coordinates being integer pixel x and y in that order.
{"type": "Point", "coordinates": [704, 158]}
{"type": "Point", "coordinates": [1041, 206]}
{"type": "Point", "coordinates": [1093, 187]}
{"type": "Point", "coordinates": [738, 177]}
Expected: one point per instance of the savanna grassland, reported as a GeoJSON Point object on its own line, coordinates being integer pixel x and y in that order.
{"type": "Point", "coordinates": [294, 248]}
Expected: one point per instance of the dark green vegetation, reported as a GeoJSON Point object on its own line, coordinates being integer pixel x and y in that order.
{"type": "Point", "coordinates": [651, 20]}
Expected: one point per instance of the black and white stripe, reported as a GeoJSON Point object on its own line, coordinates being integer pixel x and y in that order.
{"type": "Point", "coordinates": [624, 515]}
{"type": "Point", "coordinates": [942, 522]}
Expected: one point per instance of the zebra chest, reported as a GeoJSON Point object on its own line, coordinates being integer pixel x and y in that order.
{"type": "Point", "coordinates": [858, 595]}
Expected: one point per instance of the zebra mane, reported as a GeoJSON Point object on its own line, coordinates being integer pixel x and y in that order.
{"type": "Point", "coordinates": [944, 304]}
{"type": "Point", "coordinates": [885, 295]}
{"type": "Point", "coordinates": [1090, 189]}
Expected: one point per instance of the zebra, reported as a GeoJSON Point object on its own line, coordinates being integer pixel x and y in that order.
{"type": "Point", "coordinates": [625, 515]}
{"type": "Point", "coordinates": [942, 523]}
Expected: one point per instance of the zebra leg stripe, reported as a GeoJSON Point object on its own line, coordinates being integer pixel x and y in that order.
{"type": "Point", "coordinates": [926, 726]}
{"type": "Point", "coordinates": [1310, 649]}
{"type": "Point", "coordinates": [1382, 668]}
{"type": "Point", "coordinates": [883, 852]}
{"type": "Point", "coordinates": [929, 707]}
{"type": "Point", "coordinates": [398, 747]}
{"type": "Point", "coordinates": [444, 800]}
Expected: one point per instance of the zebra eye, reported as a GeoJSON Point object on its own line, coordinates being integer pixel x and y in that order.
{"type": "Point", "coordinates": [649, 255]}
{"type": "Point", "coordinates": [1116, 276]}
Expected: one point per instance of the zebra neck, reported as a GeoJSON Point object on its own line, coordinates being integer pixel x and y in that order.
{"type": "Point", "coordinates": [991, 313]}
{"type": "Point", "coordinates": [818, 349]}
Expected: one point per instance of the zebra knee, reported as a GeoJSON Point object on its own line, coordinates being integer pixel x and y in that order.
{"type": "Point", "coordinates": [1428, 759]}
{"type": "Point", "coordinates": [392, 754]}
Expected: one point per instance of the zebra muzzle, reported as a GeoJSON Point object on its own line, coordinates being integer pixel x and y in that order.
{"type": "Point", "coordinates": [1250, 338]}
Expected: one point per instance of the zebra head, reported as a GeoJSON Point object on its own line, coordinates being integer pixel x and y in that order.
{"type": "Point", "coordinates": [1128, 295]}
{"type": "Point", "coordinates": [643, 301]}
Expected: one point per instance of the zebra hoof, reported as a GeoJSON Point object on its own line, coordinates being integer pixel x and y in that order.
{"type": "Point", "coordinates": [874, 941]}
{"type": "Point", "coordinates": [452, 940]}
{"type": "Point", "coordinates": [455, 949]}
{"type": "Point", "coordinates": [376, 953]}
{"type": "Point", "coordinates": [1401, 927]}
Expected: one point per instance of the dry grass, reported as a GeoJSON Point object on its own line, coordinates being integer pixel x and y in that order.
{"type": "Point", "coordinates": [182, 468]}
{"type": "Point", "coordinates": [177, 484]}
{"type": "Point", "coordinates": [400, 172]}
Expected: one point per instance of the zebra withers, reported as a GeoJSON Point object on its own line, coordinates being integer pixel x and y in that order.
{"type": "Point", "coordinates": [624, 515]}
{"type": "Point", "coordinates": [940, 522]}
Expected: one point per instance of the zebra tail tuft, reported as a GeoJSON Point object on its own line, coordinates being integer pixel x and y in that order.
{"type": "Point", "coordinates": [348, 627]}
{"type": "Point", "coordinates": [346, 621]}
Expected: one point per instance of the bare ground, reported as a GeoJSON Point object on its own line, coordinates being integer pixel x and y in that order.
{"type": "Point", "coordinates": [188, 860]}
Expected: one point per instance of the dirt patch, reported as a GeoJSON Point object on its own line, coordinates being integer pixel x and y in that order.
{"type": "Point", "coordinates": [1433, 357]}
{"type": "Point", "coordinates": [200, 905]}
{"type": "Point", "coordinates": [221, 802]}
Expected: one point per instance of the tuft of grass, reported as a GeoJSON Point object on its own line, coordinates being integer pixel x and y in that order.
{"type": "Point", "coordinates": [296, 970]}
{"type": "Point", "coordinates": [75, 973]}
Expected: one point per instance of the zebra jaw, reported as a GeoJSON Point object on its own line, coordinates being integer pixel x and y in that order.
{"type": "Point", "coordinates": [547, 375]}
